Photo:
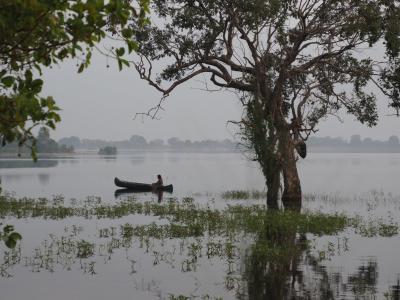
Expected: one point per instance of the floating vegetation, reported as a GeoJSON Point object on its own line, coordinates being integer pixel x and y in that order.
{"type": "Point", "coordinates": [9, 236]}
{"type": "Point", "coordinates": [243, 195]}
{"type": "Point", "coordinates": [182, 297]}
{"type": "Point", "coordinates": [199, 218]}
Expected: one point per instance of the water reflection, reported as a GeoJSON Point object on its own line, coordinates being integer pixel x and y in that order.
{"type": "Point", "coordinates": [109, 159]}
{"type": "Point", "coordinates": [278, 267]}
{"type": "Point", "coordinates": [69, 161]}
{"type": "Point", "coordinates": [272, 268]}
{"type": "Point", "coordinates": [27, 163]}
{"type": "Point", "coordinates": [138, 160]}
{"type": "Point", "coordinates": [292, 273]}
{"type": "Point", "coordinates": [364, 281]}
{"type": "Point", "coordinates": [14, 177]}
{"type": "Point", "coordinates": [44, 178]}
{"type": "Point", "coordinates": [126, 192]}
{"type": "Point", "coordinates": [356, 162]}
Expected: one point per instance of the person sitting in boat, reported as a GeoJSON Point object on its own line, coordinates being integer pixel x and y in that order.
{"type": "Point", "coordinates": [159, 183]}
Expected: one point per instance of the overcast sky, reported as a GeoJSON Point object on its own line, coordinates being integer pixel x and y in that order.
{"type": "Point", "coordinates": [101, 103]}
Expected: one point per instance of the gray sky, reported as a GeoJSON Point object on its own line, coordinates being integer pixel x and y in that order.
{"type": "Point", "coordinates": [101, 103]}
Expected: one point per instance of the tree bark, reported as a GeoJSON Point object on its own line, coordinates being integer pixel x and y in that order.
{"type": "Point", "coordinates": [273, 180]}
{"type": "Point", "coordinates": [291, 197]}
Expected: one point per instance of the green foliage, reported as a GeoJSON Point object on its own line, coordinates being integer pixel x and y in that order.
{"type": "Point", "coordinates": [40, 33]}
{"type": "Point", "coordinates": [390, 78]}
{"type": "Point", "coordinates": [84, 249]}
{"type": "Point", "coordinates": [9, 236]}
{"type": "Point", "coordinates": [243, 195]}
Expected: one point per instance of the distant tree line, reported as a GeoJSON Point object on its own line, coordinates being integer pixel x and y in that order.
{"type": "Point", "coordinates": [314, 144]}
{"type": "Point", "coordinates": [355, 144]}
{"type": "Point", "coordinates": [45, 144]}
{"type": "Point", "coordinates": [138, 142]}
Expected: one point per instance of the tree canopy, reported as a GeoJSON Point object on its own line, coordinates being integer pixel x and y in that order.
{"type": "Point", "coordinates": [40, 33]}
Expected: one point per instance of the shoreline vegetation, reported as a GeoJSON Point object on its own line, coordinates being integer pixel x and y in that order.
{"type": "Point", "coordinates": [315, 144]}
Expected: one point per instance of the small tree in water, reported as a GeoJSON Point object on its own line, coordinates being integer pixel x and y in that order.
{"type": "Point", "coordinates": [293, 61]}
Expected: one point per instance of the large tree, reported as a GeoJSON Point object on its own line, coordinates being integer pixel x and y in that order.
{"type": "Point", "coordinates": [40, 33]}
{"type": "Point", "coordinates": [293, 62]}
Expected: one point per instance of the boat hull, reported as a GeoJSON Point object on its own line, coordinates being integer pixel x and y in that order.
{"type": "Point", "coordinates": [141, 187]}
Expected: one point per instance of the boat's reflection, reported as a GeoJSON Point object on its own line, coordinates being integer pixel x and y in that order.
{"type": "Point", "coordinates": [127, 192]}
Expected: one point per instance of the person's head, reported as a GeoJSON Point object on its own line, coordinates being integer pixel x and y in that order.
{"type": "Point", "coordinates": [159, 176]}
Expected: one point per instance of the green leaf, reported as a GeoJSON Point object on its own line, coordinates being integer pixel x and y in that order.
{"type": "Point", "coordinates": [125, 62]}
{"type": "Point", "coordinates": [8, 228]}
{"type": "Point", "coordinates": [132, 45]}
{"type": "Point", "coordinates": [8, 81]}
{"type": "Point", "coordinates": [120, 51]}
{"type": "Point", "coordinates": [11, 243]}
{"type": "Point", "coordinates": [37, 85]}
{"type": "Point", "coordinates": [127, 33]}
{"type": "Point", "coordinates": [28, 75]}
{"type": "Point", "coordinates": [15, 236]}
{"type": "Point", "coordinates": [37, 67]}
{"type": "Point", "coordinates": [81, 68]}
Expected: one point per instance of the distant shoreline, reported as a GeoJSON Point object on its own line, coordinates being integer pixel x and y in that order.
{"type": "Point", "coordinates": [122, 152]}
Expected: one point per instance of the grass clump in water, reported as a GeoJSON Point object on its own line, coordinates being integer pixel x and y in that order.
{"type": "Point", "coordinates": [243, 195]}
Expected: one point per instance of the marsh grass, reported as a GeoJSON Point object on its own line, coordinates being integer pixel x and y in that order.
{"type": "Point", "coordinates": [244, 195]}
{"type": "Point", "coordinates": [198, 219]}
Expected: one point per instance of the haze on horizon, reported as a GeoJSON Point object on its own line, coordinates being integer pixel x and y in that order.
{"type": "Point", "coordinates": [101, 103]}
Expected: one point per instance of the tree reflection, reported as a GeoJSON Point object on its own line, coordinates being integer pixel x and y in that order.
{"type": "Point", "coordinates": [44, 178]}
{"type": "Point", "coordinates": [364, 281]}
{"type": "Point", "coordinates": [27, 163]}
{"type": "Point", "coordinates": [129, 192]}
{"type": "Point", "coordinates": [272, 270]}
{"type": "Point", "coordinates": [279, 266]}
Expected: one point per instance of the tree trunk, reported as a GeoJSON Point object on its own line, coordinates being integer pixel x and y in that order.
{"type": "Point", "coordinates": [291, 197]}
{"type": "Point", "coordinates": [273, 180]}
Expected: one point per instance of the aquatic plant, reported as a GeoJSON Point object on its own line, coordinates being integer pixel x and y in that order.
{"type": "Point", "coordinates": [198, 218]}
{"type": "Point", "coordinates": [9, 236]}
{"type": "Point", "coordinates": [243, 195]}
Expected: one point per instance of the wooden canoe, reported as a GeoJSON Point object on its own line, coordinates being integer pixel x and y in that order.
{"type": "Point", "coordinates": [141, 187]}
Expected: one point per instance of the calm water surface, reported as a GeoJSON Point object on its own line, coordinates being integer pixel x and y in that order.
{"type": "Point", "coordinates": [47, 264]}
{"type": "Point", "coordinates": [84, 175]}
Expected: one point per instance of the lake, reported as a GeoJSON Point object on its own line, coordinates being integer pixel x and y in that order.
{"type": "Point", "coordinates": [82, 244]}
{"type": "Point", "coordinates": [84, 175]}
